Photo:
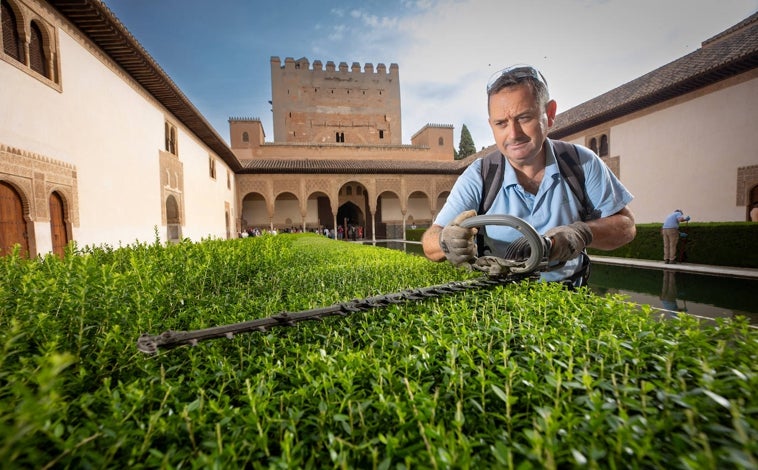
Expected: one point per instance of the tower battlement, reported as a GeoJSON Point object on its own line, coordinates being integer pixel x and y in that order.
{"type": "Point", "coordinates": [304, 65]}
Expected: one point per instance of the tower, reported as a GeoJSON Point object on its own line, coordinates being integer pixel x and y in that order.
{"type": "Point", "coordinates": [335, 105]}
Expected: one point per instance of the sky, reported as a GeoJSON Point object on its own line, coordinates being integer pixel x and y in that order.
{"type": "Point", "coordinates": [218, 53]}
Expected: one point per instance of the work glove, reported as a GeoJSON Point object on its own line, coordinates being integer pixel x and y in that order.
{"type": "Point", "coordinates": [495, 266]}
{"type": "Point", "coordinates": [568, 241]}
{"type": "Point", "coordinates": [458, 243]}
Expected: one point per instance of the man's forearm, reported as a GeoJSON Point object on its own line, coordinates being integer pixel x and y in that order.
{"type": "Point", "coordinates": [614, 231]}
{"type": "Point", "coordinates": [430, 242]}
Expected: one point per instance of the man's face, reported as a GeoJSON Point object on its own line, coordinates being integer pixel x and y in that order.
{"type": "Point", "coordinates": [519, 124]}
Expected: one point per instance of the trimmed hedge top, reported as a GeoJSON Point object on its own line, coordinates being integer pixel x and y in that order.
{"type": "Point", "coordinates": [524, 376]}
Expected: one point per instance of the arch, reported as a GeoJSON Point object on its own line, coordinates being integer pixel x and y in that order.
{"type": "Point", "coordinates": [38, 60]}
{"type": "Point", "coordinates": [604, 146]}
{"type": "Point", "coordinates": [13, 227]}
{"type": "Point", "coordinates": [286, 210]}
{"type": "Point", "coordinates": [389, 207]}
{"type": "Point", "coordinates": [173, 220]}
{"type": "Point", "coordinates": [254, 211]}
{"type": "Point", "coordinates": [11, 39]}
{"type": "Point", "coordinates": [390, 213]}
{"type": "Point", "coordinates": [359, 197]}
{"type": "Point", "coordinates": [441, 199]}
{"type": "Point", "coordinates": [419, 205]}
{"type": "Point", "coordinates": [593, 145]}
{"type": "Point", "coordinates": [58, 227]}
{"type": "Point", "coordinates": [319, 211]}
{"type": "Point", "coordinates": [753, 200]}
{"type": "Point", "coordinates": [350, 217]}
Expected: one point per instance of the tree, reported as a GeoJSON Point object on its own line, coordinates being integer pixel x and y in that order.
{"type": "Point", "coordinates": [466, 145]}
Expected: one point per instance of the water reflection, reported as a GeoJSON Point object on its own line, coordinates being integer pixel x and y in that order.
{"type": "Point", "coordinates": [696, 294]}
{"type": "Point", "coordinates": [668, 292]}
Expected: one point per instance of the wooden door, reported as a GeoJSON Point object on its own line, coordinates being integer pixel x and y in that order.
{"type": "Point", "coordinates": [12, 223]}
{"type": "Point", "coordinates": [58, 225]}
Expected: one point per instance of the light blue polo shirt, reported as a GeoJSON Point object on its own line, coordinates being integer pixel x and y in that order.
{"type": "Point", "coordinates": [553, 205]}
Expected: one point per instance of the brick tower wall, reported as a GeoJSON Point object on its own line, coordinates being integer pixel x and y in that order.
{"type": "Point", "coordinates": [335, 104]}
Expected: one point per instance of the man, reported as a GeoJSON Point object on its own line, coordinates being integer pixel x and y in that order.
{"type": "Point", "coordinates": [520, 114]}
{"type": "Point", "coordinates": [670, 233]}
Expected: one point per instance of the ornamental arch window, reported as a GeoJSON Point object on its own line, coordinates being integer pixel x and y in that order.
{"type": "Point", "coordinates": [11, 39]}
{"type": "Point", "coordinates": [593, 145]}
{"type": "Point", "coordinates": [599, 143]}
{"type": "Point", "coordinates": [37, 57]}
{"type": "Point", "coordinates": [170, 136]}
{"type": "Point", "coordinates": [603, 146]}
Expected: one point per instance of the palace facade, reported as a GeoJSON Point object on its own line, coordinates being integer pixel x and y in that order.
{"type": "Point", "coordinates": [99, 146]}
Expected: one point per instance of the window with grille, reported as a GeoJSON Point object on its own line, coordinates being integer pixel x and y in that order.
{"type": "Point", "coordinates": [37, 58]}
{"type": "Point", "coordinates": [599, 143]}
{"type": "Point", "coordinates": [603, 146]}
{"type": "Point", "coordinates": [11, 41]}
{"type": "Point", "coordinates": [170, 131]}
{"type": "Point", "coordinates": [212, 166]}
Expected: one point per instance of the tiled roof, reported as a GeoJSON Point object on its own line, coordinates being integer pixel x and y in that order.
{"type": "Point", "coordinates": [286, 165]}
{"type": "Point", "coordinates": [101, 26]}
{"type": "Point", "coordinates": [725, 55]}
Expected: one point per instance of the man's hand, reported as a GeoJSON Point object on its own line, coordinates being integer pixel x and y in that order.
{"type": "Point", "coordinates": [568, 241]}
{"type": "Point", "coordinates": [458, 243]}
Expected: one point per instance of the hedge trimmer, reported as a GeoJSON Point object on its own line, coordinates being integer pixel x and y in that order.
{"type": "Point", "coordinates": [499, 271]}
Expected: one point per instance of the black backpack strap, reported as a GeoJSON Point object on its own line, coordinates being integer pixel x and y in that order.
{"type": "Point", "coordinates": [492, 180]}
{"type": "Point", "coordinates": [567, 157]}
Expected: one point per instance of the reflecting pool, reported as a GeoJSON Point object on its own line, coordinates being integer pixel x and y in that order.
{"type": "Point", "coordinates": [697, 294]}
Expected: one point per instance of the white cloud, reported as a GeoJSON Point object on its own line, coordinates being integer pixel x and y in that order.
{"type": "Point", "coordinates": [584, 48]}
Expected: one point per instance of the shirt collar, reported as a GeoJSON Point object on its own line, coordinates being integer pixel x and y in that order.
{"type": "Point", "coordinates": [551, 169]}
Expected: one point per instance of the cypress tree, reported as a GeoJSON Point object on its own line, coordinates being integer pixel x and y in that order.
{"type": "Point", "coordinates": [466, 145]}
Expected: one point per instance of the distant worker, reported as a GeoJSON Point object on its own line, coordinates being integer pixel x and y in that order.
{"type": "Point", "coordinates": [670, 232]}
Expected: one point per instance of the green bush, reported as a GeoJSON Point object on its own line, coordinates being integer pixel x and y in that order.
{"type": "Point", "coordinates": [521, 376]}
{"type": "Point", "coordinates": [720, 244]}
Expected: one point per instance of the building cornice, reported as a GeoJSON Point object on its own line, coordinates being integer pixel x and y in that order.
{"type": "Point", "coordinates": [101, 26]}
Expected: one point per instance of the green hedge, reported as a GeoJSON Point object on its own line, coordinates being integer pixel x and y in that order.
{"type": "Point", "coordinates": [521, 376]}
{"type": "Point", "coordinates": [414, 234]}
{"type": "Point", "coordinates": [721, 244]}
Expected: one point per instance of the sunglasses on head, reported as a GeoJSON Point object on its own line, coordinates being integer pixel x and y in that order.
{"type": "Point", "coordinates": [515, 74]}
